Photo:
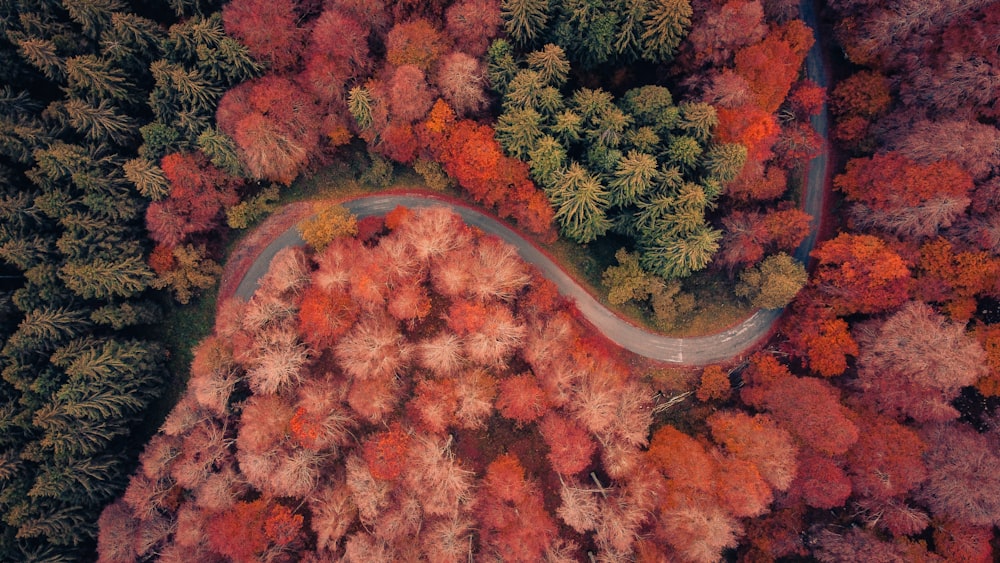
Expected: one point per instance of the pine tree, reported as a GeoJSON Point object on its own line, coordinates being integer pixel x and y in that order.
{"type": "Point", "coordinates": [628, 40]}
{"type": "Point", "coordinates": [609, 126]}
{"type": "Point", "coordinates": [666, 26]}
{"type": "Point", "coordinates": [724, 162]}
{"type": "Point", "coordinates": [359, 104]}
{"type": "Point", "coordinates": [518, 131]}
{"type": "Point", "coordinates": [524, 20]}
{"type": "Point", "coordinates": [684, 152]}
{"type": "Point", "coordinates": [698, 119]}
{"type": "Point", "coordinates": [547, 160]}
{"type": "Point", "coordinates": [86, 481]}
{"type": "Point", "coordinates": [105, 278]}
{"type": "Point", "coordinates": [44, 328]}
{"type": "Point", "coordinates": [580, 202]}
{"type": "Point", "coordinates": [221, 151]}
{"type": "Point", "coordinates": [636, 174]}
{"type": "Point", "coordinates": [41, 53]}
{"type": "Point", "coordinates": [147, 177]}
{"type": "Point", "coordinates": [524, 90]}
{"type": "Point", "coordinates": [567, 127]}
{"type": "Point", "coordinates": [94, 16]}
{"type": "Point", "coordinates": [91, 75]}
{"type": "Point", "coordinates": [679, 256]}
{"type": "Point", "coordinates": [550, 63]}
{"type": "Point", "coordinates": [99, 122]}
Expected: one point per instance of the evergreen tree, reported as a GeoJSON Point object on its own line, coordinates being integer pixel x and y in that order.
{"type": "Point", "coordinates": [697, 119]}
{"type": "Point", "coordinates": [635, 176]}
{"type": "Point", "coordinates": [581, 203]}
{"type": "Point", "coordinates": [104, 278]}
{"type": "Point", "coordinates": [546, 161]}
{"type": "Point", "coordinates": [99, 123]}
{"type": "Point", "coordinates": [221, 151]}
{"type": "Point", "coordinates": [550, 63]}
{"type": "Point", "coordinates": [684, 152]}
{"type": "Point", "coordinates": [41, 53]}
{"type": "Point", "coordinates": [359, 103]}
{"type": "Point", "coordinates": [666, 25]}
{"type": "Point", "coordinates": [678, 256]}
{"type": "Point", "coordinates": [147, 178]}
{"type": "Point", "coordinates": [518, 130]}
{"type": "Point", "coordinates": [723, 162]}
{"type": "Point", "coordinates": [90, 75]}
{"type": "Point", "coordinates": [588, 30]}
{"type": "Point", "coordinates": [524, 20]}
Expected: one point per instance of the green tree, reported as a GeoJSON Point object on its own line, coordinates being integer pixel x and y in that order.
{"type": "Point", "coordinates": [359, 104]}
{"type": "Point", "coordinates": [101, 122]}
{"type": "Point", "coordinates": [126, 314]}
{"type": "Point", "coordinates": [547, 160]}
{"type": "Point", "coordinates": [643, 139]}
{"type": "Point", "coordinates": [103, 278]}
{"type": "Point", "coordinates": [550, 63]}
{"type": "Point", "coordinates": [524, 20]}
{"type": "Point", "coordinates": [634, 177]}
{"type": "Point", "coordinates": [94, 76]}
{"type": "Point", "coordinates": [501, 66]}
{"type": "Point", "coordinates": [678, 256]}
{"type": "Point", "coordinates": [587, 29]}
{"type": "Point", "coordinates": [724, 162]}
{"type": "Point", "coordinates": [697, 119]}
{"type": "Point", "coordinates": [666, 25]}
{"type": "Point", "coordinates": [132, 41]}
{"type": "Point", "coordinates": [652, 106]}
{"type": "Point", "coordinates": [567, 126]}
{"type": "Point", "coordinates": [87, 481]}
{"type": "Point", "coordinates": [773, 283]}
{"type": "Point", "coordinates": [609, 127]}
{"type": "Point", "coordinates": [42, 54]}
{"type": "Point", "coordinates": [592, 104]}
{"type": "Point", "coordinates": [684, 152]}
{"type": "Point", "coordinates": [581, 204]}
{"type": "Point", "coordinates": [524, 90]}
{"type": "Point", "coordinates": [94, 16]}
{"type": "Point", "coordinates": [221, 151]}
{"type": "Point", "coordinates": [632, 14]}
{"type": "Point", "coordinates": [518, 130]}
{"type": "Point", "coordinates": [43, 329]}
{"type": "Point", "coordinates": [181, 90]}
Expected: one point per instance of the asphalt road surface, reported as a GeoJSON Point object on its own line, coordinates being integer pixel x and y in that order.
{"type": "Point", "coordinates": [698, 350]}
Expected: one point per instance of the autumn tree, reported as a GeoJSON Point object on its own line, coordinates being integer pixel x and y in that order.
{"type": "Point", "coordinates": [958, 487]}
{"type": "Point", "coordinates": [774, 283]}
{"type": "Point", "coordinates": [198, 193]}
{"type": "Point", "coordinates": [329, 222]}
{"type": "Point", "coordinates": [274, 124]}
{"type": "Point", "coordinates": [914, 363]}
{"type": "Point", "coordinates": [251, 530]}
{"type": "Point", "coordinates": [860, 273]}
{"type": "Point", "coordinates": [268, 29]}
{"type": "Point", "coordinates": [417, 43]}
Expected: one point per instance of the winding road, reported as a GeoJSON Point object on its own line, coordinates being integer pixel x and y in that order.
{"type": "Point", "coordinates": [699, 350]}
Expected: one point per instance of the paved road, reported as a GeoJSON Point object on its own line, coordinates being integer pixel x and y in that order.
{"type": "Point", "coordinates": [689, 351]}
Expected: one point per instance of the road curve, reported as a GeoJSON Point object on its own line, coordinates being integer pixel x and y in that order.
{"type": "Point", "coordinates": [698, 350]}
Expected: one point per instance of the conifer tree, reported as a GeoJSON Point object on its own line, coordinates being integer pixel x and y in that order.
{"type": "Point", "coordinates": [580, 202]}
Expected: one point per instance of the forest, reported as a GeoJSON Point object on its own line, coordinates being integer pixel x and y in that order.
{"type": "Point", "coordinates": [405, 387]}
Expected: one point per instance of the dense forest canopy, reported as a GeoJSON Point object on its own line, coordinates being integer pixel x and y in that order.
{"type": "Point", "coordinates": [135, 138]}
